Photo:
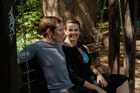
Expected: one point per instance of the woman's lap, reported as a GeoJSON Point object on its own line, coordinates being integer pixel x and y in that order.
{"type": "Point", "coordinates": [114, 81]}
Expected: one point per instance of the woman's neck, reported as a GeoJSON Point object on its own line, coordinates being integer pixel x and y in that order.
{"type": "Point", "coordinates": [71, 43]}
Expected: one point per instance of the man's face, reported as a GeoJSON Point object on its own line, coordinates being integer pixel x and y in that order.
{"type": "Point", "coordinates": [59, 33]}
{"type": "Point", "coordinates": [72, 31]}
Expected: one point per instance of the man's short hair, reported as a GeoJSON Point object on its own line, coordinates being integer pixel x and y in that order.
{"type": "Point", "coordinates": [48, 22]}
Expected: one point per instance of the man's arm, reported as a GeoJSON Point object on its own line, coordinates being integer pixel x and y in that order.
{"type": "Point", "coordinates": [26, 54]}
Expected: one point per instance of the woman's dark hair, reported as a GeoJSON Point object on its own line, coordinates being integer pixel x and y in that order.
{"type": "Point", "coordinates": [48, 22]}
{"type": "Point", "coordinates": [72, 20]}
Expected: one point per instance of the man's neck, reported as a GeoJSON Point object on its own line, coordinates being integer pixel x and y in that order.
{"type": "Point", "coordinates": [51, 41]}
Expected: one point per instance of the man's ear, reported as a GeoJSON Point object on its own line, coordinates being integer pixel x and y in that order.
{"type": "Point", "coordinates": [49, 33]}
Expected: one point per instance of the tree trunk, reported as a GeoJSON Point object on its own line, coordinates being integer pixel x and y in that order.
{"type": "Point", "coordinates": [83, 10]}
{"type": "Point", "coordinates": [130, 43]}
{"type": "Point", "coordinates": [50, 8]}
{"type": "Point", "coordinates": [8, 66]}
{"type": "Point", "coordinates": [114, 37]}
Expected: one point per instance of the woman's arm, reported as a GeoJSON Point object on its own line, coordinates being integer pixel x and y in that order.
{"type": "Point", "coordinates": [91, 86]}
{"type": "Point", "coordinates": [100, 79]}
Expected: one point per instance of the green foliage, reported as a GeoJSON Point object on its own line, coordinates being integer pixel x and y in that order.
{"type": "Point", "coordinates": [102, 10]}
{"type": "Point", "coordinates": [27, 17]}
{"type": "Point", "coordinates": [103, 26]}
{"type": "Point", "coordinates": [137, 23]}
{"type": "Point", "coordinates": [102, 15]}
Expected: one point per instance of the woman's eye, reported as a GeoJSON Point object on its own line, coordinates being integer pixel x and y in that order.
{"type": "Point", "coordinates": [76, 30]}
{"type": "Point", "coordinates": [70, 30]}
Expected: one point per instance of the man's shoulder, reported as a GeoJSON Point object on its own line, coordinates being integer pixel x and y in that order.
{"type": "Point", "coordinates": [34, 46]}
{"type": "Point", "coordinates": [65, 44]}
{"type": "Point", "coordinates": [41, 44]}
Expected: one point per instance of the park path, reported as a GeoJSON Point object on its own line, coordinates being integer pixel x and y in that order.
{"type": "Point", "coordinates": [137, 69]}
{"type": "Point", "coordinates": [137, 76]}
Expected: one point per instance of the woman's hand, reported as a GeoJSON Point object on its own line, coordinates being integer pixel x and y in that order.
{"type": "Point", "coordinates": [91, 87]}
{"type": "Point", "coordinates": [101, 81]}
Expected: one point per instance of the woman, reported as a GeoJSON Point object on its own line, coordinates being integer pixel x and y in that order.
{"type": "Point", "coordinates": [77, 59]}
{"type": "Point", "coordinates": [78, 64]}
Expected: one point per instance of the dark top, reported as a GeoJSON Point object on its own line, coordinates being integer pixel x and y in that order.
{"type": "Point", "coordinates": [79, 71]}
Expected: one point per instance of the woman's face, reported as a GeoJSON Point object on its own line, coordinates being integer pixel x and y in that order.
{"type": "Point", "coordinates": [72, 31]}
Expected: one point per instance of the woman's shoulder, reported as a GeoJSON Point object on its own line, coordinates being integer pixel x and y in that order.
{"type": "Point", "coordinates": [83, 47]}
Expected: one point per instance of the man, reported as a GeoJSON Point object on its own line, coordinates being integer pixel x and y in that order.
{"type": "Point", "coordinates": [49, 59]}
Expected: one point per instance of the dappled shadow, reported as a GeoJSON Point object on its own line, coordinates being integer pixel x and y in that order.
{"type": "Point", "coordinates": [137, 76]}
